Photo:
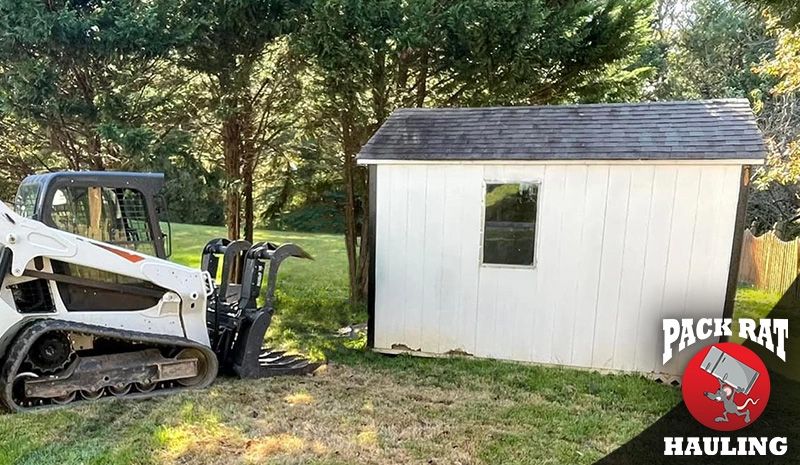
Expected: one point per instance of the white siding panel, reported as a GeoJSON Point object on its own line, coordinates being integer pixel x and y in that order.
{"type": "Point", "coordinates": [648, 337]}
{"type": "Point", "coordinates": [383, 255]}
{"type": "Point", "coordinates": [416, 182]}
{"type": "Point", "coordinates": [611, 266]}
{"type": "Point", "coordinates": [486, 340]}
{"type": "Point", "coordinates": [570, 265]}
{"type": "Point", "coordinates": [682, 232]}
{"type": "Point", "coordinates": [460, 231]}
{"type": "Point", "coordinates": [470, 238]}
{"type": "Point", "coordinates": [553, 191]}
{"type": "Point", "coordinates": [450, 259]}
{"type": "Point", "coordinates": [633, 266]}
{"type": "Point", "coordinates": [711, 245]}
{"type": "Point", "coordinates": [430, 255]}
{"type": "Point", "coordinates": [590, 251]}
{"type": "Point", "coordinates": [390, 304]}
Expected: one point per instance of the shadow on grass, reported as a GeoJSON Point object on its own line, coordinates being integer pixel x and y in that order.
{"type": "Point", "coordinates": [780, 419]}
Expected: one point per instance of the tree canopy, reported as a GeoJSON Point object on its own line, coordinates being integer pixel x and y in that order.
{"type": "Point", "coordinates": [370, 57]}
{"type": "Point", "coordinates": [256, 109]}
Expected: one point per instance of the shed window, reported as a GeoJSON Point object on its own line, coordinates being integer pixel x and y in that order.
{"type": "Point", "coordinates": [509, 229]}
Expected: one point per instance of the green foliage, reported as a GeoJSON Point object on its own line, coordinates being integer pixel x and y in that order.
{"type": "Point", "coordinates": [302, 189]}
{"type": "Point", "coordinates": [787, 11]}
{"type": "Point", "coordinates": [87, 76]}
{"type": "Point", "coordinates": [252, 89]}
{"type": "Point", "coordinates": [718, 52]}
{"type": "Point", "coordinates": [231, 35]}
{"type": "Point", "coordinates": [709, 52]}
{"type": "Point", "coordinates": [468, 52]}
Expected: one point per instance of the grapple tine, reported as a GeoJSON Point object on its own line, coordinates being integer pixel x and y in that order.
{"type": "Point", "coordinates": [248, 358]}
{"type": "Point", "coordinates": [298, 252]}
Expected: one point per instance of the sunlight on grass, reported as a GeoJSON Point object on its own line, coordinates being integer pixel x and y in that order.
{"type": "Point", "coordinates": [201, 441]}
{"type": "Point", "coordinates": [300, 398]}
{"type": "Point", "coordinates": [284, 444]}
{"type": "Point", "coordinates": [368, 437]}
{"type": "Point", "coordinates": [754, 303]}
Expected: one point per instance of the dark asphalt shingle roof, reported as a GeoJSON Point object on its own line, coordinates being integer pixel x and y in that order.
{"type": "Point", "coordinates": [708, 129]}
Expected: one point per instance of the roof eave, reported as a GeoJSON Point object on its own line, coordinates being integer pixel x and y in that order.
{"type": "Point", "coordinates": [575, 161]}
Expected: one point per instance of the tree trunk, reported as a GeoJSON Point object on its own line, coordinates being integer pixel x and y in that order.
{"type": "Point", "coordinates": [248, 163]}
{"type": "Point", "coordinates": [232, 147]}
{"type": "Point", "coordinates": [362, 276]}
{"type": "Point", "coordinates": [421, 84]}
{"type": "Point", "coordinates": [248, 206]}
{"type": "Point", "coordinates": [349, 149]}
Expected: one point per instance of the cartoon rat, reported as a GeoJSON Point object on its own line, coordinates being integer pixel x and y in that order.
{"type": "Point", "coordinates": [725, 395]}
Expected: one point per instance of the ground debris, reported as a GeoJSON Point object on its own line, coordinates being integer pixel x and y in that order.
{"type": "Point", "coordinates": [353, 331]}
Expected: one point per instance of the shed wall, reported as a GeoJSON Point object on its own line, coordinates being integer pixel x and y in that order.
{"type": "Point", "coordinates": [619, 247]}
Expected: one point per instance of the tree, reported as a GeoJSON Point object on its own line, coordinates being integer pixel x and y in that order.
{"type": "Point", "coordinates": [778, 180]}
{"type": "Point", "coordinates": [250, 83]}
{"type": "Point", "coordinates": [706, 49]}
{"type": "Point", "coordinates": [785, 11]}
{"type": "Point", "coordinates": [371, 57]}
{"type": "Point", "coordinates": [718, 47]}
{"type": "Point", "coordinates": [82, 79]}
{"type": "Point", "coordinates": [714, 49]}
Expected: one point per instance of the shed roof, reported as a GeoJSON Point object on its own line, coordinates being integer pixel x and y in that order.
{"type": "Point", "coordinates": [702, 130]}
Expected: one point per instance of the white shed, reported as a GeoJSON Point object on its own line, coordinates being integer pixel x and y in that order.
{"type": "Point", "coordinates": [556, 234]}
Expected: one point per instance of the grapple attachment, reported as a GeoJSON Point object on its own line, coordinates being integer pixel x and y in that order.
{"type": "Point", "coordinates": [236, 323]}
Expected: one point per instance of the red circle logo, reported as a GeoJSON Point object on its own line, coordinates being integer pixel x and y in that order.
{"type": "Point", "coordinates": [726, 386]}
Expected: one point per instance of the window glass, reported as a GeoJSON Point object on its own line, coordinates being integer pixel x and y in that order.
{"type": "Point", "coordinates": [116, 216]}
{"type": "Point", "coordinates": [25, 201]}
{"type": "Point", "coordinates": [510, 223]}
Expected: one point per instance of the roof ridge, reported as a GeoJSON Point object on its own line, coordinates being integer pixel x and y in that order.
{"type": "Point", "coordinates": [720, 101]}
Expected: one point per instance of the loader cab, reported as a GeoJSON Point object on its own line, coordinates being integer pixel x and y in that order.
{"type": "Point", "coordinates": [120, 208]}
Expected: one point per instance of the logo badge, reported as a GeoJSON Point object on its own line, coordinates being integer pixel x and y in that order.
{"type": "Point", "coordinates": [726, 387]}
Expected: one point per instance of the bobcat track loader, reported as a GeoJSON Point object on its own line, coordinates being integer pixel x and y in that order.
{"type": "Point", "coordinates": [90, 308]}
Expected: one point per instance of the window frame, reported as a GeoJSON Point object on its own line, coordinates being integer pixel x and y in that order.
{"type": "Point", "coordinates": [534, 181]}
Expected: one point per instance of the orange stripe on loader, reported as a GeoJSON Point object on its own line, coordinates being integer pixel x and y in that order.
{"type": "Point", "coordinates": [131, 257]}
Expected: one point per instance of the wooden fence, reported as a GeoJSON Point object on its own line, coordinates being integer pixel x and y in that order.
{"type": "Point", "coordinates": [769, 263]}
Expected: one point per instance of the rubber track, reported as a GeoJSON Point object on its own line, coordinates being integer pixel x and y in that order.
{"type": "Point", "coordinates": [28, 335]}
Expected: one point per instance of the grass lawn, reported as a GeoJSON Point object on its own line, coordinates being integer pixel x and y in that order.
{"type": "Point", "coordinates": [362, 408]}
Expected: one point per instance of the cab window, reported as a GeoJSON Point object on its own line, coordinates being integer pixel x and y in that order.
{"type": "Point", "coordinates": [114, 215]}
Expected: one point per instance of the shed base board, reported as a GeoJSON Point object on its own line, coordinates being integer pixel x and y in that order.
{"type": "Point", "coordinates": [664, 378]}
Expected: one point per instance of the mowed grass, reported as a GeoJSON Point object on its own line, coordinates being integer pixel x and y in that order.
{"type": "Point", "coordinates": [364, 408]}
{"type": "Point", "coordinates": [361, 408]}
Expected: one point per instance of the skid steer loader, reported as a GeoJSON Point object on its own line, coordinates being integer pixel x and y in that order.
{"type": "Point", "coordinates": [90, 308]}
